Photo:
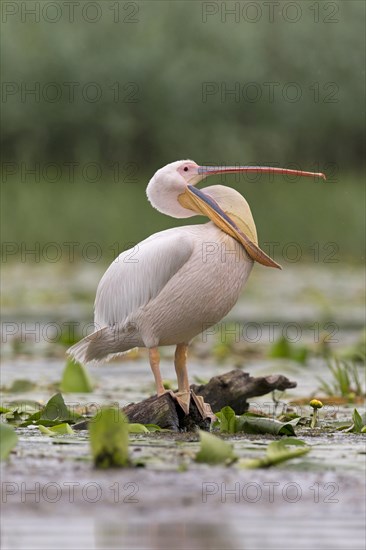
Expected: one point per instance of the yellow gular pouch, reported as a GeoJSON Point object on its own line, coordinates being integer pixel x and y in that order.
{"type": "Point", "coordinates": [231, 213]}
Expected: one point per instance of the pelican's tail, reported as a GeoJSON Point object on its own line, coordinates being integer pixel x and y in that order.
{"type": "Point", "coordinates": [102, 344]}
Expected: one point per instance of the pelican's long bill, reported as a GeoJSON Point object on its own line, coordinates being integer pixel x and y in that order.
{"type": "Point", "coordinates": [201, 202]}
{"type": "Point", "coordinates": [211, 170]}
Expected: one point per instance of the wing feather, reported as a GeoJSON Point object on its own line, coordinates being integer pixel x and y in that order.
{"type": "Point", "coordinates": [138, 275]}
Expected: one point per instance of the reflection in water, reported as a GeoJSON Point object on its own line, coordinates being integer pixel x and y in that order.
{"type": "Point", "coordinates": [86, 534]}
{"type": "Point", "coordinates": [163, 536]}
{"type": "Point", "coordinates": [239, 529]}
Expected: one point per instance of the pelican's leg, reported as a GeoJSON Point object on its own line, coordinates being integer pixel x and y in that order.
{"type": "Point", "coordinates": [184, 392]}
{"type": "Point", "coordinates": [180, 362]}
{"type": "Point", "coordinates": [154, 358]}
{"type": "Point", "coordinates": [181, 396]}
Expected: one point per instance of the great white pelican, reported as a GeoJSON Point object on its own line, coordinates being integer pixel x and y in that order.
{"type": "Point", "coordinates": [180, 281]}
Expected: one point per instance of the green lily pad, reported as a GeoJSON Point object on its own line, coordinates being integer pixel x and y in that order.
{"type": "Point", "coordinates": [53, 413]}
{"type": "Point", "coordinates": [137, 429]}
{"type": "Point", "coordinates": [228, 420]}
{"type": "Point", "coordinates": [283, 349]}
{"type": "Point", "coordinates": [60, 429]}
{"type": "Point", "coordinates": [277, 452]}
{"type": "Point", "coordinates": [253, 424]}
{"type": "Point", "coordinates": [358, 424]}
{"type": "Point", "coordinates": [214, 450]}
{"type": "Point", "coordinates": [75, 379]}
{"type": "Point", "coordinates": [155, 428]}
{"type": "Point", "coordinates": [358, 421]}
{"type": "Point", "coordinates": [109, 438]}
{"type": "Point", "coordinates": [21, 386]}
{"type": "Point", "coordinates": [24, 406]}
{"type": "Point", "coordinates": [17, 412]}
{"type": "Point", "coordinates": [8, 440]}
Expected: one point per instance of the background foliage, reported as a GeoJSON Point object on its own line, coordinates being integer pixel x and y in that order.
{"type": "Point", "coordinates": [161, 64]}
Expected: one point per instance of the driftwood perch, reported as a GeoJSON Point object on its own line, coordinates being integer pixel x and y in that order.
{"type": "Point", "coordinates": [166, 413]}
{"type": "Point", "coordinates": [232, 388]}
{"type": "Point", "coordinates": [235, 387]}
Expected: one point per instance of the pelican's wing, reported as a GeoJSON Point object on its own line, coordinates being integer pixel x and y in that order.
{"type": "Point", "coordinates": [138, 275]}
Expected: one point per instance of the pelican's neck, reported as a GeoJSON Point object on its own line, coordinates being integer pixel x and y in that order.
{"type": "Point", "coordinates": [163, 193]}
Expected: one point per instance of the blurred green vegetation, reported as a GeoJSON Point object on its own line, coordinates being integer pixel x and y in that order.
{"type": "Point", "coordinates": [324, 220]}
{"type": "Point", "coordinates": [163, 65]}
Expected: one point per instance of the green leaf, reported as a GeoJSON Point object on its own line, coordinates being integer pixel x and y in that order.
{"type": "Point", "coordinates": [59, 429]}
{"type": "Point", "coordinates": [70, 337]}
{"type": "Point", "coordinates": [21, 386]}
{"type": "Point", "coordinates": [53, 413]}
{"type": "Point", "coordinates": [280, 448]}
{"type": "Point", "coordinates": [55, 409]}
{"type": "Point", "coordinates": [358, 423]}
{"type": "Point", "coordinates": [249, 423]}
{"type": "Point", "coordinates": [75, 379]}
{"type": "Point", "coordinates": [283, 349]}
{"type": "Point", "coordinates": [300, 354]}
{"type": "Point", "coordinates": [15, 417]}
{"type": "Point", "coordinates": [214, 450]}
{"type": "Point", "coordinates": [253, 423]}
{"type": "Point", "coordinates": [17, 412]}
{"type": "Point", "coordinates": [27, 406]}
{"type": "Point", "coordinates": [228, 420]}
{"type": "Point", "coordinates": [109, 438]}
{"type": "Point", "coordinates": [155, 428]}
{"type": "Point", "coordinates": [137, 429]}
{"type": "Point", "coordinates": [277, 452]}
{"type": "Point", "coordinates": [8, 440]}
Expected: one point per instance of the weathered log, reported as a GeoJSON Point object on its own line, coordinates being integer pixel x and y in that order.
{"type": "Point", "coordinates": [235, 387]}
{"type": "Point", "coordinates": [232, 388]}
{"type": "Point", "coordinates": [154, 410]}
{"type": "Point", "coordinates": [166, 413]}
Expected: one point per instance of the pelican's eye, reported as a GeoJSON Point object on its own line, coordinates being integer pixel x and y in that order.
{"type": "Point", "coordinates": [185, 168]}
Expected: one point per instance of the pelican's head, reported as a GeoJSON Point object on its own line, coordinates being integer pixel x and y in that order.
{"type": "Point", "coordinates": [168, 183]}
{"type": "Point", "coordinates": [172, 191]}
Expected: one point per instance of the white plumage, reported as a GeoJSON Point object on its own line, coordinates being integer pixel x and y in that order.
{"type": "Point", "coordinates": [178, 282]}
{"type": "Point", "coordinates": [170, 288]}
{"type": "Point", "coordinates": [138, 275]}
